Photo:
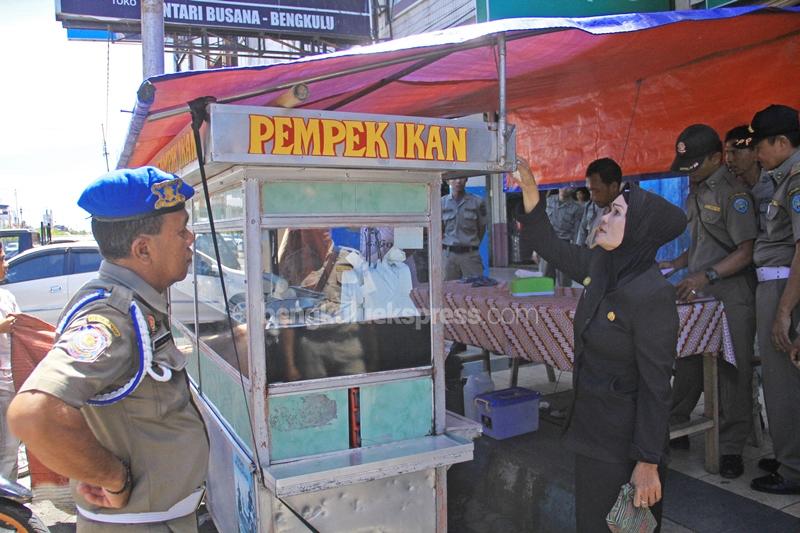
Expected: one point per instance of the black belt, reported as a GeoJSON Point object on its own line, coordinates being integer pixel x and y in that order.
{"type": "Point", "coordinates": [460, 249]}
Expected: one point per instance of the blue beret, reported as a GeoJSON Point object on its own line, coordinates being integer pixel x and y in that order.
{"type": "Point", "coordinates": [129, 194]}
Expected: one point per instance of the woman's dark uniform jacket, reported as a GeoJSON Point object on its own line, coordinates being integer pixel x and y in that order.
{"type": "Point", "coordinates": [626, 328]}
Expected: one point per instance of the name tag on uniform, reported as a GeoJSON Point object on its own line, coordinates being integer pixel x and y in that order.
{"type": "Point", "coordinates": [712, 207]}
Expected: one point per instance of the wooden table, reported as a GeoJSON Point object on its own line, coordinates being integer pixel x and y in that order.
{"type": "Point", "coordinates": [539, 329]}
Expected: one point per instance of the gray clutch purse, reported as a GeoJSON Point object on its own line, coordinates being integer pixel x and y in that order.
{"type": "Point", "coordinates": [625, 518]}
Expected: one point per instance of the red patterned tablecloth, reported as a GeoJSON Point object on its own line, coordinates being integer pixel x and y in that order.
{"type": "Point", "coordinates": [539, 328]}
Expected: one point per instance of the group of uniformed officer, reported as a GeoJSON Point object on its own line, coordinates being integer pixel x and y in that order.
{"type": "Point", "coordinates": [745, 251]}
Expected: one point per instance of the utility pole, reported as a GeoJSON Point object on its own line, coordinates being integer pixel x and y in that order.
{"type": "Point", "coordinates": [152, 37]}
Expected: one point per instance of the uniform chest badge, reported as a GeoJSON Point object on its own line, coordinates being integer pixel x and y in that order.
{"type": "Point", "coordinates": [586, 281]}
{"type": "Point", "coordinates": [110, 326]}
{"type": "Point", "coordinates": [88, 343]}
{"type": "Point", "coordinates": [612, 316]}
{"type": "Point", "coordinates": [796, 203]}
{"type": "Point", "coordinates": [741, 205]}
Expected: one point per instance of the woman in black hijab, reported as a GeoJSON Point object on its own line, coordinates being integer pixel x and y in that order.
{"type": "Point", "coordinates": [626, 329]}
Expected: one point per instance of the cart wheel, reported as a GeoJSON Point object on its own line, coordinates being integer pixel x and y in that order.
{"type": "Point", "coordinates": [17, 517]}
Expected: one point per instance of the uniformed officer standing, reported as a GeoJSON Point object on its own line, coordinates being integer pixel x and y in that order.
{"type": "Point", "coordinates": [740, 156]}
{"type": "Point", "coordinates": [109, 406]}
{"type": "Point", "coordinates": [776, 135]}
{"type": "Point", "coordinates": [604, 180]}
{"type": "Point", "coordinates": [463, 225]}
{"type": "Point", "coordinates": [565, 216]}
{"type": "Point", "coordinates": [723, 228]}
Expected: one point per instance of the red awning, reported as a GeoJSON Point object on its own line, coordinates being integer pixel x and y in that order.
{"type": "Point", "coordinates": [620, 86]}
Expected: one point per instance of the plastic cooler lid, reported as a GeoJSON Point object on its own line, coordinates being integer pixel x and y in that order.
{"type": "Point", "coordinates": [508, 396]}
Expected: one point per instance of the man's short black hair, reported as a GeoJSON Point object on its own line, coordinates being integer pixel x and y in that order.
{"type": "Point", "coordinates": [116, 237]}
{"type": "Point", "coordinates": [608, 170]}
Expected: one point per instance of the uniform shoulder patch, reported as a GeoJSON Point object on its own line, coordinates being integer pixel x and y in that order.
{"type": "Point", "coordinates": [796, 203]}
{"type": "Point", "coordinates": [100, 319]}
{"type": "Point", "coordinates": [88, 342]}
{"type": "Point", "coordinates": [741, 205]}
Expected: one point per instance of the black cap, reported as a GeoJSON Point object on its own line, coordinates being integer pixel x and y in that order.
{"type": "Point", "coordinates": [740, 137]}
{"type": "Point", "coordinates": [774, 120]}
{"type": "Point", "coordinates": [693, 145]}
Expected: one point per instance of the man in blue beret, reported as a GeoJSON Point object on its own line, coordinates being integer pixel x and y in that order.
{"type": "Point", "coordinates": [109, 406]}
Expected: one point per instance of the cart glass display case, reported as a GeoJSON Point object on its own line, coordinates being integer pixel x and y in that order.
{"type": "Point", "coordinates": [320, 378]}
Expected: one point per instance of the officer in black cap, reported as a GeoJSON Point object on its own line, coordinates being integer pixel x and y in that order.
{"type": "Point", "coordinates": [723, 227]}
{"type": "Point", "coordinates": [109, 406]}
{"type": "Point", "coordinates": [776, 135]}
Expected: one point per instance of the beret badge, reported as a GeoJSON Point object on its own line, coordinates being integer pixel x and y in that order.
{"type": "Point", "coordinates": [168, 193]}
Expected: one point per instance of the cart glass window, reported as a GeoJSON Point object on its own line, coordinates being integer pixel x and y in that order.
{"type": "Point", "coordinates": [212, 321]}
{"type": "Point", "coordinates": [342, 301]}
{"type": "Point", "coordinates": [225, 205]}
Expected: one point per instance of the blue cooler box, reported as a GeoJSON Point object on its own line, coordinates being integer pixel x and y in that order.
{"type": "Point", "coordinates": [508, 412]}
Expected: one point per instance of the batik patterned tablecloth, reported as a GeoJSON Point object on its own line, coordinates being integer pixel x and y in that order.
{"type": "Point", "coordinates": [539, 328]}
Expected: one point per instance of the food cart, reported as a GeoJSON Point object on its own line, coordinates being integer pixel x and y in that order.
{"type": "Point", "coordinates": [324, 394]}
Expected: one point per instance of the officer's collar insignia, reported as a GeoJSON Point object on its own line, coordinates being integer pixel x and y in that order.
{"type": "Point", "coordinates": [681, 148]}
{"type": "Point", "coordinates": [88, 343]}
{"type": "Point", "coordinates": [586, 281]}
{"type": "Point", "coordinates": [168, 193]}
{"type": "Point", "coordinates": [151, 323]}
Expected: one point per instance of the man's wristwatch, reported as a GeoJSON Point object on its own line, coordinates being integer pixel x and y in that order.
{"type": "Point", "coordinates": [712, 276]}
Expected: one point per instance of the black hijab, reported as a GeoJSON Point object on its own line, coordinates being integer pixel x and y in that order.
{"type": "Point", "coordinates": [651, 222]}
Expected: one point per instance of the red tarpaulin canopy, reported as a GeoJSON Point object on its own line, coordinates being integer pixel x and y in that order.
{"type": "Point", "coordinates": [620, 86]}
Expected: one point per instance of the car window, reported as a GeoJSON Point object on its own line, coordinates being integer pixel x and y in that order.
{"type": "Point", "coordinates": [36, 267]}
{"type": "Point", "coordinates": [85, 261]}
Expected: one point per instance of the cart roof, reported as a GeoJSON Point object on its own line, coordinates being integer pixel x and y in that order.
{"type": "Point", "coordinates": [620, 86]}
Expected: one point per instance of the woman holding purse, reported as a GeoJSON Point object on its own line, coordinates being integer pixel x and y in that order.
{"type": "Point", "coordinates": [626, 328]}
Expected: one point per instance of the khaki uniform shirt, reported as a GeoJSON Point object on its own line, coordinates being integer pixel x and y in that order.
{"type": "Point", "coordinates": [564, 217]}
{"type": "Point", "coordinates": [157, 428]}
{"type": "Point", "coordinates": [591, 216]}
{"type": "Point", "coordinates": [762, 193]}
{"type": "Point", "coordinates": [721, 216]}
{"type": "Point", "coordinates": [776, 244]}
{"type": "Point", "coordinates": [463, 221]}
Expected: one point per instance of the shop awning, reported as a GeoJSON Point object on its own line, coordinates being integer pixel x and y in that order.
{"type": "Point", "coordinates": [620, 86]}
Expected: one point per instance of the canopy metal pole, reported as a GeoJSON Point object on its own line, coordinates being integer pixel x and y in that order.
{"type": "Point", "coordinates": [152, 38]}
{"type": "Point", "coordinates": [501, 79]}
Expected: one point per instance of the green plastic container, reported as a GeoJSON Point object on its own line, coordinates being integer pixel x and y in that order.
{"type": "Point", "coordinates": [533, 286]}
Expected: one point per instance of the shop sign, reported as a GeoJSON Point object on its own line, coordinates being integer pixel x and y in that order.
{"type": "Point", "coordinates": [177, 154]}
{"type": "Point", "coordinates": [344, 19]}
{"type": "Point", "coordinates": [278, 136]}
{"type": "Point", "coordinates": [503, 9]}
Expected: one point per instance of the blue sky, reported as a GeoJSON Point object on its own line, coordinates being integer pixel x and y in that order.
{"type": "Point", "coordinates": [53, 104]}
